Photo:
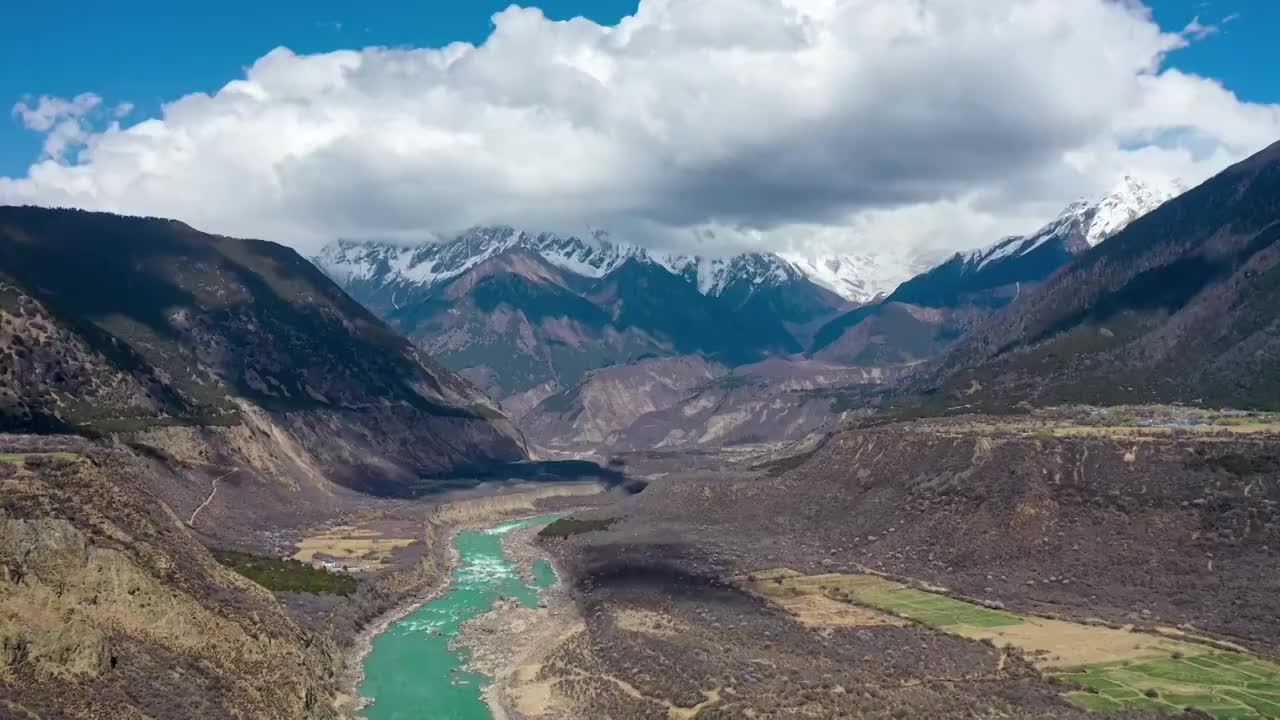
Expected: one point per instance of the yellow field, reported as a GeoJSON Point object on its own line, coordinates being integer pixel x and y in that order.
{"type": "Point", "coordinates": [1059, 645]}
{"type": "Point", "coordinates": [477, 510]}
{"type": "Point", "coordinates": [358, 548]}
{"type": "Point", "coordinates": [1122, 425]}
{"type": "Point", "coordinates": [819, 611]}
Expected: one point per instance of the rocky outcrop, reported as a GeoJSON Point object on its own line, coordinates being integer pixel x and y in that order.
{"type": "Point", "coordinates": [686, 403]}
{"type": "Point", "coordinates": [109, 608]}
{"type": "Point", "coordinates": [597, 410]}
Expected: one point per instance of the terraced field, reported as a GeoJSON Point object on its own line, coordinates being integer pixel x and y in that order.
{"type": "Point", "coordinates": [1120, 667]}
{"type": "Point", "coordinates": [1225, 685]}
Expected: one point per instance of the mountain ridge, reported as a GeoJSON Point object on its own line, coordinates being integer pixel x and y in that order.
{"type": "Point", "coordinates": [514, 311]}
{"type": "Point", "coordinates": [115, 324]}
{"type": "Point", "coordinates": [1178, 307]}
{"type": "Point", "coordinates": [970, 285]}
{"type": "Point", "coordinates": [432, 263]}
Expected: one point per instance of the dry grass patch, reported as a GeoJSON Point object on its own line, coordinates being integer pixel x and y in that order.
{"type": "Point", "coordinates": [357, 547]}
{"type": "Point", "coordinates": [812, 599]}
{"type": "Point", "coordinates": [1136, 426]}
{"type": "Point", "coordinates": [647, 621]}
{"type": "Point", "coordinates": [22, 459]}
{"type": "Point", "coordinates": [1057, 644]}
{"type": "Point", "coordinates": [478, 510]}
{"type": "Point", "coordinates": [533, 697]}
{"type": "Point", "coordinates": [819, 611]}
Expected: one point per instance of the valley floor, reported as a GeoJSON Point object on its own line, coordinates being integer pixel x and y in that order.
{"type": "Point", "coordinates": [1038, 566]}
{"type": "Point", "coordinates": [1032, 567]}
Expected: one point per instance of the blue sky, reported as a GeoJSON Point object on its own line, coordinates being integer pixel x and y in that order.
{"type": "Point", "coordinates": [149, 51]}
{"type": "Point", "coordinates": [709, 126]}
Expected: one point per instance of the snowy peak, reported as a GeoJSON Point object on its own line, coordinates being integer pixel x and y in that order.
{"type": "Point", "coordinates": [432, 263]}
{"type": "Point", "coordinates": [1082, 224]}
{"type": "Point", "coordinates": [1128, 201]}
{"type": "Point", "coordinates": [860, 278]}
{"type": "Point", "coordinates": [857, 278]}
{"type": "Point", "coordinates": [714, 275]}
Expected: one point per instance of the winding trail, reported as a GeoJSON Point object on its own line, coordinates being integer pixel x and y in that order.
{"type": "Point", "coordinates": [212, 491]}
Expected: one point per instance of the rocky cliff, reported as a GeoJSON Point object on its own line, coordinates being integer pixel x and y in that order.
{"type": "Point", "coordinates": [109, 608]}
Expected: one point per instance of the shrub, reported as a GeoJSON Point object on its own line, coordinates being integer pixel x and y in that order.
{"type": "Point", "coordinates": [567, 527]}
{"type": "Point", "coordinates": [286, 575]}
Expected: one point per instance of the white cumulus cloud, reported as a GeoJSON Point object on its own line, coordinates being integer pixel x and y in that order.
{"type": "Point", "coordinates": [62, 120]}
{"type": "Point", "coordinates": [794, 125]}
{"type": "Point", "coordinates": [45, 112]}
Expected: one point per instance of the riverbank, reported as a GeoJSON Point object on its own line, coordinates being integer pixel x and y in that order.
{"type": "Point", "coordinates": [510, 642]}
{"type": "Point", "coordinates": [415, 668]}
{"type": "Point", "coordinates": [443, 526]}
{"type": "Point", "coordinates": [349, 701]}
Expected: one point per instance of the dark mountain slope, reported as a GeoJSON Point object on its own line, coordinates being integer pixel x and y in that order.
{"type": "Point", "coordinates": [798, 304]}
{"type": "Point", "coordinates": [898, 333]}
{"type": "Point", "coordinates": [514, 322]}
{"type": "Point", "coordinates": [1181, 306]}
{"type": "Point", "coordinates": [113, 324]}
{"type": "Point", "coordinates": [215, 393]}
{"type": "Point", "coordinates": [647, 296]}
{"type": "Point", "coordinates": [511, 323]}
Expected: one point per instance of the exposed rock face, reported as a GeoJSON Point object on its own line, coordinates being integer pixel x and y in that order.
{"type": "Point", "coordinates": [779, 400]}
{"type": "Point", "coordinates": [110, 609]}
{"type": "Point", "coordinates": [686, 403]}
{"type": "Point", "coordinates": [596, 411]}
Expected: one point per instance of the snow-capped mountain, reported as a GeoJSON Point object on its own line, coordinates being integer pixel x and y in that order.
{"type": "Point", "coordinates": [519, 312]}
{"type": "Point", "coordinates": [522, 312]}
{"type": "Point", "coordinates": [856, 278]}
{"type": "Point", "coordinates": [928, 311]}
{"type": "Point", "coordinates": [1089, 222]}
{"type": "Point", "coordinates": [432, 263]}
{"type": "Point", "coordinates": [1130, 200]}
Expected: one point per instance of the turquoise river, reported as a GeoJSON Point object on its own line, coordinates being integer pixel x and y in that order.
{"type": "Point", "coordinates": [410, 673]}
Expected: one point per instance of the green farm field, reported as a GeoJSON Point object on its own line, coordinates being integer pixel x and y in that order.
{"type": "Point", "coordinates": [1117, 668]}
